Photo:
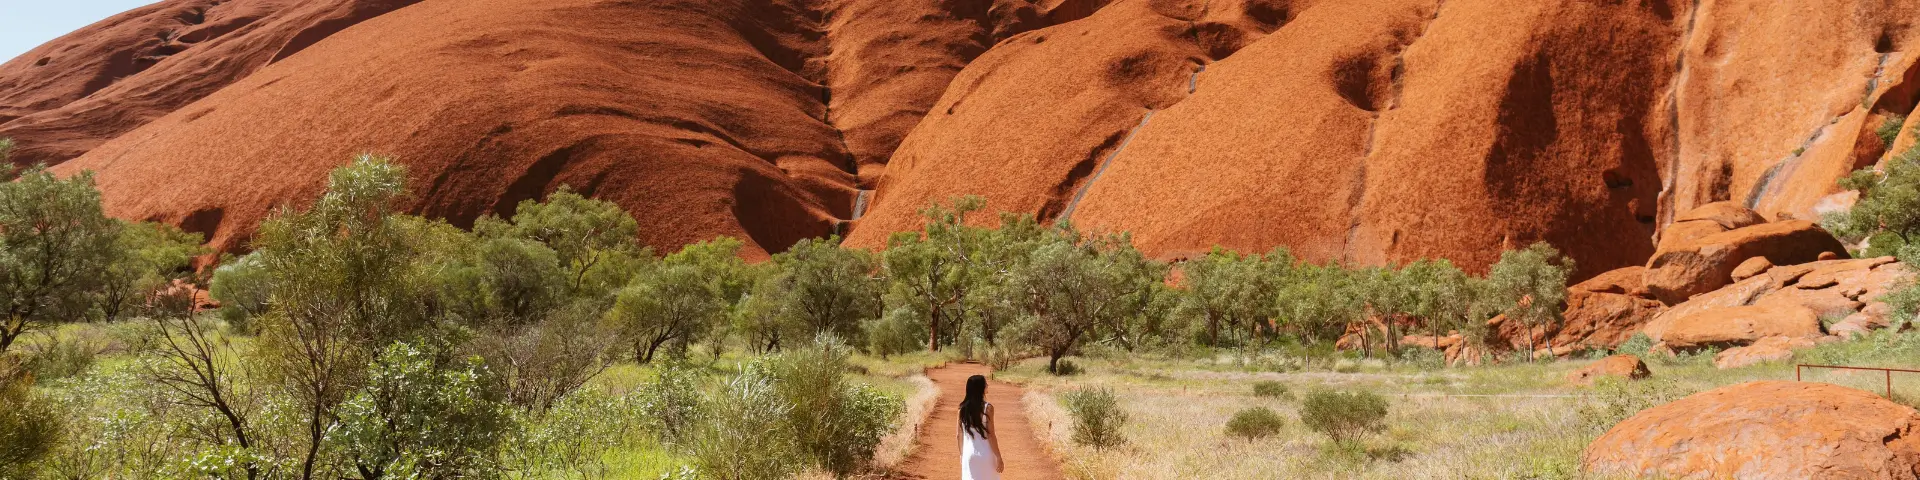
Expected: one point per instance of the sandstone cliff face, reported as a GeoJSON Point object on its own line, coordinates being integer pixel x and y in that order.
{"type": "Point", "coordinates": [1365, 131]}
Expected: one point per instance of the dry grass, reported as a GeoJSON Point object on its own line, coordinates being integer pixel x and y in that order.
{"type": "Point", "coordinates": [1505, 421]}
{"type": "Point", "coordinates": [896, 447]}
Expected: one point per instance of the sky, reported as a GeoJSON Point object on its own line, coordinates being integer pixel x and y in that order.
{"type": "Point", "coordinates": [25, 24]}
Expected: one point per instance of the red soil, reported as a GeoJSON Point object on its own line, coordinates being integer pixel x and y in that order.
{"type": "Point", "coordinates": [936, 453]}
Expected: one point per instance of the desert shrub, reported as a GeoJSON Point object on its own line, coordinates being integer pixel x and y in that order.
{"type": "Point", "coordinates": [572, 436]}
{"type": "Point", "coordinates": [60, 356]}
{"type": "Point", "coordinates": [836, 424]}
{"type": "Point", "coordinates": [744, 435]}
{"type": "Point", "coordinates": [1067, 367]}
{"type": "Point", "coordinates": [1344, 415]}
{"type": "Point", "coordinates": [1889, 129]}
{"type": "Point", "coordinates": [1271, 389]}
{"type": "Point", "coordinates": [1254, 423]}
{"type": "Point", "coordinates": [29, 424]}
{"type": "Point", "coordinates": [1097, 416]}
{"type": "Point", "coordinates": [1615, 399]}
{"type": "Point", "coordinates": [55, 244]}
{"type": "Point", "coordinates": [422, 417]}
{"type": "Point", "coordinates": [1638, 345]}
{"type": "Point", "coordinates": [899, 331]}
{"type": "Point", "coordinates": [671, 404]}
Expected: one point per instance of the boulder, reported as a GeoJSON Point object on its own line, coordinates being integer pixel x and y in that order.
{"type": "Point", "coordinates": [1765, 429]}
{"type": "Point", "coordinates": [1770, 349]}
{"type": "Point", "coordinates": [1737, 326]}
{"type": "Point", "coordinates": [1603, 319]}
{"type": "Point", "coordinates": [1622, 366]}
{"type": "Point", "coordinates": [1682, 268]}
{"type": "Point", "coordinates": [1728, 215]}
{"type": "Point", "coordinates": [1750, 267]}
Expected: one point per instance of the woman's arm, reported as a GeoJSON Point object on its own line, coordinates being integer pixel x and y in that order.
{"type": "Point", "coordinates": [993, 438]}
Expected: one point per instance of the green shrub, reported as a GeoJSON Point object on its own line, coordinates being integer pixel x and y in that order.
{"type": "Point", "coordinates": [1889, 130]}
{"type": "Point", "coordinates": [29, 426]}
{"type": "Point", "coordinates": [744, 435]}
{"type": "Point", "coordinates": [1638, 345]}
{"type": "Point", "coordinates": [422, 417]}
{"type": "Point", "coordinates": [1344, 415]}
{"type": "Point", "coordinates": [836, 423]}
{"type": "Point", "coordinates": [671, 404]}
{"type": "Point", "coordinates": [1097, 416]}
{"type": "Point", "coordinates": [60, 357]}
{"type": "Point", "coordinates": [1271, 389]}
{"type": "Point", "coordinates": [1254, 423]}
{"type": "Point", "coordinates": [1066, 367]}
{"type": "Point", "coordinates": [573, 435]}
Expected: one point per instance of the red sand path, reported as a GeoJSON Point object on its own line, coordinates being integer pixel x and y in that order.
{"type": "Point", "coordinates": [936, 454]}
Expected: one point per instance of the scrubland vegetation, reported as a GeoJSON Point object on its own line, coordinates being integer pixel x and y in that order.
{"type": "Point", "coordinates": [355, 341]}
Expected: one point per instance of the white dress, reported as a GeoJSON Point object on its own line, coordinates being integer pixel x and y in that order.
{"type": "Point", "coordinates": [976, 457]}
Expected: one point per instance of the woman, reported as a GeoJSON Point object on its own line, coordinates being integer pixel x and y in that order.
{"type": "Point", "coordinates": [979, 448]}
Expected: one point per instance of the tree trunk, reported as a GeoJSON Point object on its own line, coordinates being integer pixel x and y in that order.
{"type": "Point", "coordinates": [933, 333]}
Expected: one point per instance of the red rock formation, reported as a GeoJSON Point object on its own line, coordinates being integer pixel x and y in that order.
{"type": "Point", "coordinates": [1736, 326]}
{"type": "Point", "coordinates": [1618, 366]}
{"type": "Point", "coordinates": [1770, 349]}
{"type": "Point", "coordinates": [68, 96]}
{"type": "Point", "coordinates": [1684, 267]}
{"type": "Point", "coordinates": [1768, 429]}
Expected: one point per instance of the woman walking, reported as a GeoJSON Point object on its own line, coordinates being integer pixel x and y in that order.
{"type": "Point", "coordinates": [979, 448]}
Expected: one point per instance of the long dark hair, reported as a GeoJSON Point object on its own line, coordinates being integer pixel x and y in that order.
{"type": "Point", "coordinates": [973, 408]}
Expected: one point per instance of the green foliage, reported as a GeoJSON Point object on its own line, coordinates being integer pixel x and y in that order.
{"type": "Point", "coordinates": [55, 244]}
{"type": "Point", "coordinates": [930, 274]}
{"type": "Point", "coordinates": [900, 331]}
{"type": "Point", "coordinates": [1097, 416]}
{"type": "Point", "coordinates": [6, 149]}
{"type": "Point", "coordinates": [541, 363]}
{"type": "Point", "coordinates": [673, 305]}
{"type": "Point", "coordinates": [1255, 423]}
{"type": "Point", "coordinates": [421, 416]}
{"type": "Point", "coordinates": [745, 434]}
{"type": "Point", "coordinates": [1639, 344]}
{"type": "Point", "coordinates": [594, 241]}
{"type": "Point", "coordinates": [671, 404]}
{"type": "Point", "coordinates": [1230, 291]}
{"type": "Point", "coordinates": [836, 423]}
{"type": "Point", "coordinates": [1889, 129]}
{"type": "Point", "coordinates": [1076, 287]}
{"type": "Point", "coordinates": [1889, 204]}
{"type": "Point", "coordinates": [1344, 416]}
{"type": "Point", "coordinates": [1532, 283]}
{"type": "Point", "coordinates": [818, 288]}
{"type": "Point", "coordinates": [61, 356]}
{"type": "Point", "coordinates": [150, 258]}
{"type": "Point", "coordinates": [1271, 389]}
{"type": "Point", "coordinates": [241, 287]}
{"type": "Point", "coordinates": [30, 426]}
{"type": "Point", "coordinates": [571, 437]}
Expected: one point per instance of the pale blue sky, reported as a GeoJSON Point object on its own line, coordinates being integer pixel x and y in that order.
{"type": "Point", "coordinates": [25, 24]}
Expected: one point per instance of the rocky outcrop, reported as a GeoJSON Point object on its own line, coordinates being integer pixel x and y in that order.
{"type": "Point", "coordinates": [1736, 326]}
{"type": "Point", "coordinates": [1701, 255]}
{"type": "Point", "coordinates": [1767, 429]}
{"type": "Point", "coordinates": [1845, 292]}
{"type": "Point", "coordinates": [1618, 366]}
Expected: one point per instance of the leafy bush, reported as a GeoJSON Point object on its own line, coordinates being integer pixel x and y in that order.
{"type": "Point", "coordinates": [836, 424]}
{"type": "Point", "coordinates": [1097, 416]}
{"type": "Point", "coordinates": [1889, 130]}
{"type": "Point", "coordinates": [1344, 415]}
{"type": "Point", "coordinates": [573, 435]}
{"type": "Point", "coordinates": [744, 435]}
{"type": "Point", "coordinates": [29, 426]}
{"type": "Point", "coordinates": [671, 404]}
{"type": "Point", "coordinates": [1066, 367]}
{"type": "Point", "coordinates": [60, 357]}
{"type": "Point", "coordinates": [1271, 389]}
{"type": "Point", "coordinates": [900, 331]}
{"type": "Point", "coordinates": [1638, 345]}
{"type": "Point", "coordinates": [422, 417]}
{"type": "Point", "coordinates": [1254, 423]}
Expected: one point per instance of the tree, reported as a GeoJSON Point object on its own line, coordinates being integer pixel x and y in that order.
{"type": "Point", "coordinates": [1531, 285]}
{"type": "Point", "coordinates": [1888, 211]}
{"type": "Point", "coordinates": [1225, 288]}
{"type": "Point", "coordinates": [1319, 303]}
{"type": "Point", "coordinates": [1443, 296]}
{"type": "Point", "coordinates": [541, 363]}
{"type": "Point", "coordinates": [1074, 286]}
{"type": "Point", "coordinates": [197, 371]}
{"type": "Point", "coordinates": [55, 244]}
{"type": "Point", "coordinates": [683, 298]}
{"type": "Point", "coordinates": [422, 416]}
{"type": "Point", "coordinates": [929, 272]}
{"type": "Point", "coordinates": [591, 238]}
{"type": "Point", "coordinates": [824, 289]}
{"type": "Point", "coordinates": [343, 277]}
{"type": "Point", "coordinates": [150, 258]}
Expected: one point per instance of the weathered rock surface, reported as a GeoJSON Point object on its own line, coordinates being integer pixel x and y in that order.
{"type": "Point", "coordinates": [1753, 266]}
{"type": "Point", "coordinates": [1737, 326]}
{"type": "Point", "coordinates": [1830, 289]}
{"type": "Point", "coordinates": [1620, 366]}
{"type": "Point", "coordinates": [1766, 429]}
{"type": "Point", "coordinates": [1686, 267]}
{"type": "Point", "coordinates": [68, 96]}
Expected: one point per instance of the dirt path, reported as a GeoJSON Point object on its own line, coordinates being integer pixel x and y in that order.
{"type": "Point", "coordinates": [936, 454]}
